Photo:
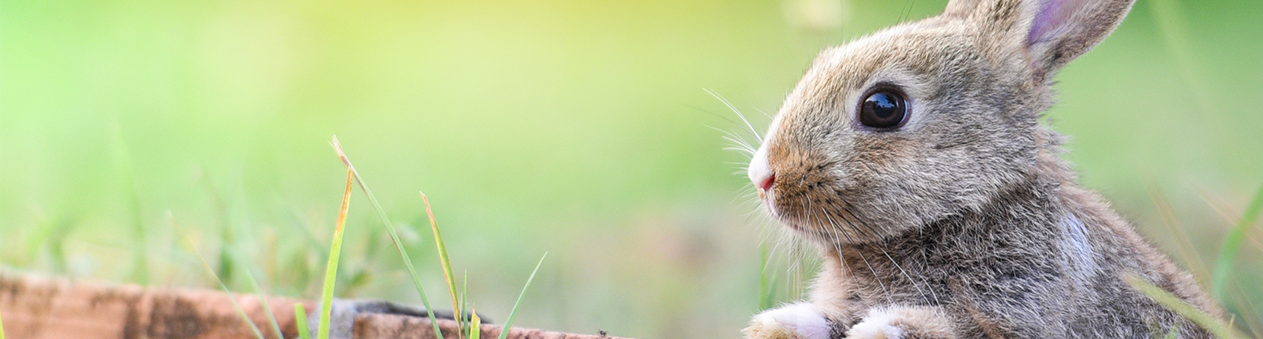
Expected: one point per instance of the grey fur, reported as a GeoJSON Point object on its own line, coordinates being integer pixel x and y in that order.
{"type": "Point", "coordinates": [965, 222]}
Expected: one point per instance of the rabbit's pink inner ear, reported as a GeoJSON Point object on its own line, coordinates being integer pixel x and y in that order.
{"type": "Point", "coordinates": [1051, 18]}
{"type": "Point", "coordinates": [1062, 30]}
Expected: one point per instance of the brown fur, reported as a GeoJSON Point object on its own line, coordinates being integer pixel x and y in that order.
{"type": "Point", "coordinates": [964, 222]}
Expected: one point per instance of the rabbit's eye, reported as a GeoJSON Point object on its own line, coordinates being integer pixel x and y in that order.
{"type": "Point", "coordinates": [883, 109]}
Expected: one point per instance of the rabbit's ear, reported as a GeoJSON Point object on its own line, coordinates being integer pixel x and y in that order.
{"type": "Point", "coordinates": [960, 8]}
{"type": "Point", "coordinates": [1052, 31]}
{"type": "Point", "coordinates": [1062, 30]}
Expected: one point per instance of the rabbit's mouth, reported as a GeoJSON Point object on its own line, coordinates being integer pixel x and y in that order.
{"type": "Point", "coordinates": [817, 210]}
{"type": "Point", "coordinates": [801, 189]}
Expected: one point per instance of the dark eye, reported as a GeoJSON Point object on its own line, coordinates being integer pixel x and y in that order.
{"type": "Point", "coordinates": [883, 109]}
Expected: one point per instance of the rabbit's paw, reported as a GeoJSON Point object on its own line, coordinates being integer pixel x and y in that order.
{"type": "Point", "coordinates": [797, 321]}
{"type": "Point", "coordinates": [877, 325]}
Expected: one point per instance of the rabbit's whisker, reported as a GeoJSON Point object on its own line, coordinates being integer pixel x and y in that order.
{"type": "Point", "coordinates": [735, 110]}
{"type": "Point", "coordinates": [838, 248]}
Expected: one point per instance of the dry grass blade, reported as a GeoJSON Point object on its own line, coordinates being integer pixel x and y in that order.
{"type": "Point", "coordinates": [1183, 243]}
{"type": "Point", "coordinates": [331, 269]}
{"type": "Point", "coordinates": [1230, 215]}
{"type": "Point", "coordinates": [1228, 252]}
{"type": "Point", "coordinates": [394, 236]}
{"type": "Point", "coordinates": [1238, 298]}
{"type": "Point", "coordinates": [1173, 303]}
{"type": "Point", "coordinates": [447, 265]}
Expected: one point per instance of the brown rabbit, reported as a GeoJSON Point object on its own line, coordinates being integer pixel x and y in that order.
{"type": "Point", "coordinates": [913, 158]}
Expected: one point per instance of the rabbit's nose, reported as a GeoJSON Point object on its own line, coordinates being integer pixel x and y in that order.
{"type": "Point", "coordinates": [760, 173]}
{"type": "Point", "coordinates": [766, 184]}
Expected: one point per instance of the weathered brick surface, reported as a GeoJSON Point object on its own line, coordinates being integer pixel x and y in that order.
{"type": "Point", "coordinates": [382, 326]}
{"type": "Point", "coordinates": [46, 308]}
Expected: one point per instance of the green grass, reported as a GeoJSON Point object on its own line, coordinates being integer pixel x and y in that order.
{"type": "Point", "coordinates": [470, 328]}
{"type": "Point", "coordinates": [1217, 327]}
{"type": "Point", "coordinates": [300, 321]}
{"type": "Point", "coordinates": [1, 327]}
{"type": "Point", "coordinates": [390, 228]}
{"type": "Point", "coordinates": [458, 298]}
{"type": "Point", "coordinates": [244, 317]}
{"type": "Point", "coordinates": [475, 324]}
{"type": "Point", "coordinates": [446, 264]}
{"type": "Point", "coordinates": [532, 150]}
{"type": "Point", "coordinates": [1220, 278]}
{"type": "Point", "coordinates": [1232, 245]}
{"type": "Point", "coordinates": [767, 279]}
{"type": "Point", "coordinates": [126, 177]}
{"type": "Point", "coordinates": [508, 323]}
{"type": "Point", "coordinates": [335, 251]}
{"type": "Point", "coordinates": [267, 307]}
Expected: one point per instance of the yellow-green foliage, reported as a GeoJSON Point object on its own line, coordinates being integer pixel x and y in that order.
{"type": "Point", "coordinates": [576, 128]}
{"type": "Point", "coordinates": [300, 320]}
{"type": "Point", "coordinates": [1219, 328]}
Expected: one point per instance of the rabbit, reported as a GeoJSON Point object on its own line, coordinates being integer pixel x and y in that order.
{"type": "Point", "coordinates": [913, 159]}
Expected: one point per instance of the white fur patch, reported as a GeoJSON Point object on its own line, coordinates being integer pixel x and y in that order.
{"type": "Point", "coordinates": [877, 325]}
{"type": "Point", "coordinates": [1075, 244]}
{"type": "Point", "coordinates": [797, 321]}
{"type": "Point", "coordinates": [758, 169]}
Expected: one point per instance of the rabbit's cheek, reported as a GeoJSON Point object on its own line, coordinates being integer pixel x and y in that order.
{"type": "Point", "coordinates": [880, 153]}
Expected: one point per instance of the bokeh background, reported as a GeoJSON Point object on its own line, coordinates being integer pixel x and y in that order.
{"type": "Point", "coordinates": [135, 133]}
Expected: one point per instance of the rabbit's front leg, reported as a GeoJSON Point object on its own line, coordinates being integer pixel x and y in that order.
{"type": "Point", "coordinates": [901, 322]}
{"type": "Point", "coordinates": [795, 321]}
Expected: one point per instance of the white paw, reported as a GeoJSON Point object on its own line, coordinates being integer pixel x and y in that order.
{"type": "Point", "coordinates": [877, 325]}
{"type": "Point", "coordinates": [797, 321]}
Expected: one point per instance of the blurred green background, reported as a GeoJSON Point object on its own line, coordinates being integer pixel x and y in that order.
{"type": "Point", "coordinates": [580, 128]}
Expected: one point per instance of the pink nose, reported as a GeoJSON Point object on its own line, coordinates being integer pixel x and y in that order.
{"type": "Point", "coordinates": [766, 184]}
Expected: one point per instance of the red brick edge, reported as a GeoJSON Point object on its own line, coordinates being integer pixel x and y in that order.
{"type": "Point", "coordinates": [51, 308]}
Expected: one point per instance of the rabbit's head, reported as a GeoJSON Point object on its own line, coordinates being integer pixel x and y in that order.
{"type": "Point", "coordinates": [922, 120]}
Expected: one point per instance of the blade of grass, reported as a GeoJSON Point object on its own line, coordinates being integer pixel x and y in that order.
{"type": "Point", "coordinates": [225, 269]}
{"type": "Point", "coordinates": [1228, 252]}
{"type": "Point", "coordinates": [447, 265]}
{"type": "Point", "coordinates": [475, 324]}
{"type": "Point", "coordinates": [1183, 242]}
{"type": "Point", "coordinates": [331, 269]}
{"type": "Point", "coordinates": [1, 328]}
{"type": "Point", "coordinates": [1238, 299]}
{"type": "Point", "coordinates": [508, 323]}
{"type": "Point", "coordinates": [796, 282]}
{"type": "Point", "coordinates": [1174, 333]}
{"type": "Point", "coordinates": [126, 176]}
{"type": "Point", "coordinates": [1218, 328]}
{"type": "Point", "coordinates": [300, 321]}
{"type": "Point", "coordinates": [276, 327]}
{"type": "Point", "coordinates": [57, 244]}
{"type": "Point", "coordinates": [464, 301]}
{"type": "Point", "coordinates": [390, 228]}
{"type": "Point", "coordinates": [1230, 215]}
{"type": "Point", "coordinates": [767, 281]}
{"type": "Point", "coordinates": [233, 299]}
